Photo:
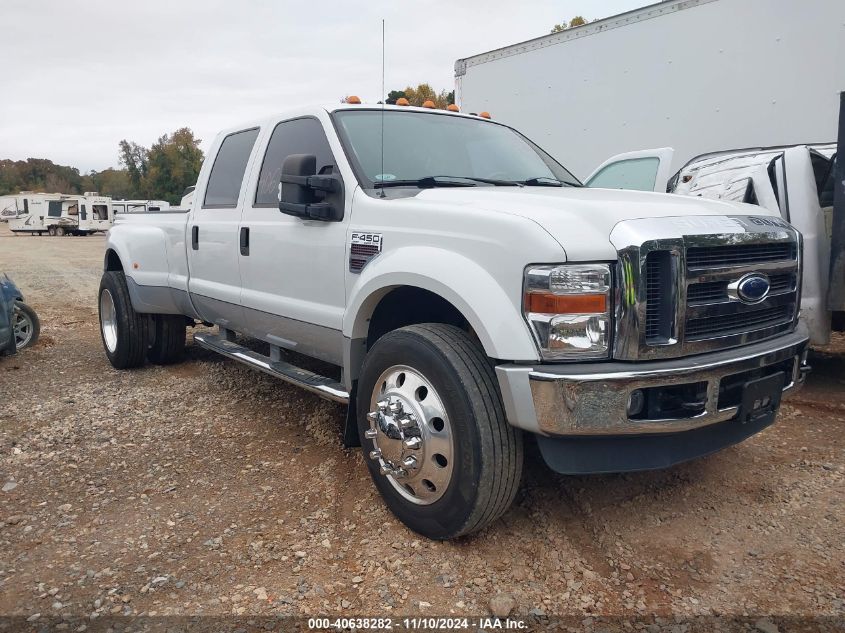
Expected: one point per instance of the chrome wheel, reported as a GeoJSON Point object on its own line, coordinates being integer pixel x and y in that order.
{"type": "Point", "coordinates": [108, 320]}
{"type": "Point", "coordinates": [411, 435]}
{"type": "Point", "coordinates": [24, 327]}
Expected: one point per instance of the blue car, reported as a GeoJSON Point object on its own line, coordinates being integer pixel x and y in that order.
{"type": "Point", "coordinates": [19, 325]}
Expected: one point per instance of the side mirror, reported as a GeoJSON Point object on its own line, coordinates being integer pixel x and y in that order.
{"type": "Point", "coordinates": [302, 193]}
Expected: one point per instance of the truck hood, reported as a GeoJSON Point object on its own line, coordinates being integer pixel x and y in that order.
{"type": "Point", "coordinates": [581, 218]}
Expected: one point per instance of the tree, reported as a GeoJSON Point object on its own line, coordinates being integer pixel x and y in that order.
{"type": "Point", "coordinates": [422, 93]}
{"type": "Point", "coordinates": [576, 21]}
{"type": "Point", "coordinates": [114, 183]}
{"type": "Point", "coordinates": [134, 158]}
{"type": "Point", "coordinates": [419, 95]}
{"type": "Point", "coordinates": [38, 174]}
{"type": "Point", "coordinates": [173, 163]}
{"type": "Point", "coordinates": [395, 95]}
{"type": "Point", "coordinates": [161, 172]}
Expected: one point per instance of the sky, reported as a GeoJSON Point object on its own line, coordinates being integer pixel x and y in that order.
{"type": "Point", "coordinates": [80, 75]}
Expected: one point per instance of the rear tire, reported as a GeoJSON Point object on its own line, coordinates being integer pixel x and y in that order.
{"type": "Point", "coordinates": [457, 415]}
{"type": "Point", "coordinates": [60, 231]}
{"type": "Point", "coordinates": [51, 231]}
{"type": "Point", "coordinates": [124, 332]}
{"type": "Point", "coordinates": [168, 338]}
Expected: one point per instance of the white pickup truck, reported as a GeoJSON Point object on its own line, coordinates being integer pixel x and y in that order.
{"type": "Point", "coordinates": [463, 289]}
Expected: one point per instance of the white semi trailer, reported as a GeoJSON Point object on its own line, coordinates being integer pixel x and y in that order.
{"type": "Point", "coordinates": [697, 79]}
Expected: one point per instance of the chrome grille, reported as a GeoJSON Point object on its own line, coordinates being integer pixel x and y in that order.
{"type": "Point", "coordinates": [738, 322]}
{"type": "Point", "coordinates": [717, 291]}
{"type": "Point", "coordinates": [713, 319]}
{"type": "Point", "coordinates": [718, 256]}
{"type": "Point", "coordinates": [685, 275]}
{"type": "Point", "coordinates": [658, 317]}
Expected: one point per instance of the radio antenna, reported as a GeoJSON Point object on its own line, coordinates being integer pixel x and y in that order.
{"type": "Point", "coordinates": [383, 98]}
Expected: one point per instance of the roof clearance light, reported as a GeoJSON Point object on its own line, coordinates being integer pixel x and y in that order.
{"type": "Point", "coordinates": [485, 115]}
{"type": "Point", "coordinates": [402, 101]}
{"type": "Point", "coordinates": [353, 99]}
{"type": "Point", "coordinates": [453, 108]}
{"type": "Point", "coordinates": [429, 104]}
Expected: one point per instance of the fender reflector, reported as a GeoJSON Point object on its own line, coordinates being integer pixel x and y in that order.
{"type": "Point", "coordinates": [548, 303]}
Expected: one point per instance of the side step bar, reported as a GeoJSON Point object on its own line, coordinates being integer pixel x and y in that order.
{"type": "Point", "coordinates": [308, 380]}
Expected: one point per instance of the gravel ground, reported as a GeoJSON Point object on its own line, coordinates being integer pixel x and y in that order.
{"type": "Point", "coordinates": [207, 488]}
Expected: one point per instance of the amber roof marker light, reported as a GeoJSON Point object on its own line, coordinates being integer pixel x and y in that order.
{"type": "Point", "coordinates": [485, 115]}
{"type": "Point", "coordinates": [402, 101]}
{"type": "Point", "coordinates": [453, 108]}
{"type": "Point", "coordinates": [429, 104]}
{"type": "Point", "coordinates": [353, 100]}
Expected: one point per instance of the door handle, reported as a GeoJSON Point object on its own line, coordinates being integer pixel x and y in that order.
{"type": "Point", "coordinates": [195, 237]}
{"type": "Point", "coordinates": [244, 240]}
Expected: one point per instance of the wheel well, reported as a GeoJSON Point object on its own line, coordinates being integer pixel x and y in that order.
{"type": "Point", "coordinates": [112, 261]}
{"type": "Point", "coordinates": [408, 305]}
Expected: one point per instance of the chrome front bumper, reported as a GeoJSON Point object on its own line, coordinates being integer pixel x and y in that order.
{"type": "Point", "coordinates": [591, 399]}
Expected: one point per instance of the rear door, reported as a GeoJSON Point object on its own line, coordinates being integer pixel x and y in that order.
{"type": "Point", "coordinates": [212, 239]}
{"type": "Point", "coordinates": [643, 170]}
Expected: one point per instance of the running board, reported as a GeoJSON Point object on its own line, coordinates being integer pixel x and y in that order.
{"type": "Point", "coordinates": [308, 380]}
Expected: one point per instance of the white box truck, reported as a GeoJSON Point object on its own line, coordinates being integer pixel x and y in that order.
{"type": "Point", "coordinates": [697, 79]}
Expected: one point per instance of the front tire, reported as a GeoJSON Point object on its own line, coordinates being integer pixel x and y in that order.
{"type": "Point", "coordinates": [168, 337]}
{"type": "Point", "coordinates": [124, 332]}
{"type": "Point", "coordinates": [434, 433]}
{"type": "Point", "coordinates": [51, 231]}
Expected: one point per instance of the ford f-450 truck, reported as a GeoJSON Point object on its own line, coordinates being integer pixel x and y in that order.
{"type": "Point", "coordinates": [464, 289]}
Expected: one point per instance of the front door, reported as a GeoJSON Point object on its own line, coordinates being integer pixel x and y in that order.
{"type": "Point", "coordinates": [212, 234]}
{"type": "Point", "coordinates": [293, 269]}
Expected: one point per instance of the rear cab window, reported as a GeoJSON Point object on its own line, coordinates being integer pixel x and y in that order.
{"type": "Point", "coordinates": [227, 173]}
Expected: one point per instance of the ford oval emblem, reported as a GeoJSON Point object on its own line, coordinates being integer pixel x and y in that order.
{"type": "Point", "coordinates": [752, 288]}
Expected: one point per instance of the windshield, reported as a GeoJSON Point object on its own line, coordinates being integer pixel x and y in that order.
{"type": "Point", "coordinates": [419, 146]}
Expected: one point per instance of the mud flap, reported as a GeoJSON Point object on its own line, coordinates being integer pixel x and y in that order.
{"type": "Point", "coordinates": [351, 439]}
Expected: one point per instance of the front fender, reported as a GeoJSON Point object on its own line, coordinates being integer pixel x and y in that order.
{"type": "Point", "coordinates": [493, 312]}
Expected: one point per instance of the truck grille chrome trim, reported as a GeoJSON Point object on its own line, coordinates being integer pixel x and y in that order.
{"type": "Point", "coordinates": [675, 279]}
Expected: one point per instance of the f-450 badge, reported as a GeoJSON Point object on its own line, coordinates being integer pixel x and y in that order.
{"type": "Point", "coordinates": [363, 247]}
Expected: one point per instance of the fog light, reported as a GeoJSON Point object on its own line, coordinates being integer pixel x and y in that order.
{"type": "Point", "coordinates": [636, 401]}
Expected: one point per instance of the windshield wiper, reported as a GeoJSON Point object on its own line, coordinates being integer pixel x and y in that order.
{"type": "Point", "coordinates": [549, 181]}
{"type": "Point", "coordinates": [445, 181]}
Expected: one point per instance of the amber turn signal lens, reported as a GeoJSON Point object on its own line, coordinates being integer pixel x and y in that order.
{"type": "Point", "coordinates": [544, 303]}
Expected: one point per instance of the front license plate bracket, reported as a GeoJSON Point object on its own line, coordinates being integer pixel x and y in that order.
{"type": "Point", "coordinates": [761, 397]}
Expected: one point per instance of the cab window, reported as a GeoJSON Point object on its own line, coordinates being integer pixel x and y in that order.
{"type": "Point", "coordinates": [227, 173]}
{"type": "Point", "coordinates": [298, 136]}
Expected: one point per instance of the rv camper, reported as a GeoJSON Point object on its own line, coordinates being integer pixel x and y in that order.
{"type": "Point", "coordinates": [59, 214]}
{"type": "Point", "coordinates": [51, 213]}
{"type": "Point", "coordinates": [138, 206]}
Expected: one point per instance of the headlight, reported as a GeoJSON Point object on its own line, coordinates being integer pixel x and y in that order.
{"type": "Point", "coordinates": [568, 309]}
